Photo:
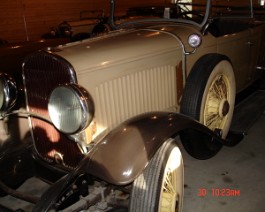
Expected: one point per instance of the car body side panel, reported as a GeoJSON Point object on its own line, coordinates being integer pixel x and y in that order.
{"type": "Point", "coordinates": [230, 45]}
{"type": "Point", "coordinates": [257, 58]}
{"type": "Point", "coordinates": [149, 85]}
{"type": "Point", "coordinates": [243, 49]}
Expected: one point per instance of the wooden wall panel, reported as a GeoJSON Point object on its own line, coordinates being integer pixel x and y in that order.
{"type": "Point", "coordinates": [11, 20]}
{"type": "Point", "coordinates": [22, 20]}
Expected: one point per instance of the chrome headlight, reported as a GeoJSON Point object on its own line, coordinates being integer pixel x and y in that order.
{"type": "Point", "coordinates": [8, 92]}
{"type": "Point", "coordinates": [71, 108]}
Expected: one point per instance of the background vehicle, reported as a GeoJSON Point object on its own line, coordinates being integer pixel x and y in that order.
{"type": "Point", "coordinates": [103, 114]}
{"type": "Point", "coordinates": [78, 29]}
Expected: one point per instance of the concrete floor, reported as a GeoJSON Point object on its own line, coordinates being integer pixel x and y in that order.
{"type": "Point", "coordinates": [236, 175]}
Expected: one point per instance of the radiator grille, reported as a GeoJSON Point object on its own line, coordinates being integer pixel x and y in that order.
{"type": "Point", "coordinates": [144, 91]}
{"type": "Point", "coordinates": [42, 72]}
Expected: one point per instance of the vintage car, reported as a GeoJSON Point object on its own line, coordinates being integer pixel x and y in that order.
{"type": "Point", "coordinates": [81, 28]}
{"type": "Point", "coordinates": [99, 119]}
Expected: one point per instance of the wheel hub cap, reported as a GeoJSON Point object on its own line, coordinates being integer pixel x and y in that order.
{"type": "Point", "coordinates": [224, 108]}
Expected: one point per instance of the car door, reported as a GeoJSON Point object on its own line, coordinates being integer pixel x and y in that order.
{"type": "Point", "coordinates": [257, 55]}
{"type": "Point", "coordinates": [236, 45]}
{"type": "Point", "coordinates": [235, 37]}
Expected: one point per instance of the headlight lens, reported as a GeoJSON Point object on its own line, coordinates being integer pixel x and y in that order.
{"type": "Point", "coordinates": [71, 108]}
{"type": "Point", "coordinates": [8, 92]}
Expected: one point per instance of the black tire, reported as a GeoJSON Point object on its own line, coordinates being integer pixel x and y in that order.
{"type": "Point", "coordinates": [149, 192]}
{"type": "Point", "coordinates": [209, 97]}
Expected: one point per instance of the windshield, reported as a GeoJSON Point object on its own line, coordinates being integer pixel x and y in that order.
{"type": "Point", "coordinates": [192, 10]}
{"type": "Point", "coordinates": [196, 12]}
{"type": "Point", "coordinates": [180, 11]}
{"type": "Point", "coordinates": [218, 8]}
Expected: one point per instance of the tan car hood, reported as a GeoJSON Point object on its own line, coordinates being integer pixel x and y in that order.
{"type": "Point", "coordinates": [122, 47]}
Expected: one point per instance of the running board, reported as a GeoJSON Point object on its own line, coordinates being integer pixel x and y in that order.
{"type": "Point", "coordinates": [247, 112]}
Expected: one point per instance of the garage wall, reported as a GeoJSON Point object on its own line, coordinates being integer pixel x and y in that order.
{"type": "Point", "coordinates": [22, 20]}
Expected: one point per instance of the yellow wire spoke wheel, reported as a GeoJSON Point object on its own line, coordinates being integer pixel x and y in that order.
{"type": "Point", "coordinates": [209, 97]}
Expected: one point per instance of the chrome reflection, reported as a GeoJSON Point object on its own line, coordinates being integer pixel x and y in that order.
{"type": "Point", "coordinates": [8, 92]}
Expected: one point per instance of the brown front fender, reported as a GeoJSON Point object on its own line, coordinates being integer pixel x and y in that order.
{"type": "Point", "coordinates": [123, 154]}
